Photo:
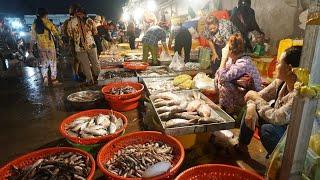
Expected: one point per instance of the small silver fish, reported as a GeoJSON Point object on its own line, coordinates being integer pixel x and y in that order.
{"type": "Point", "coordinates": [112, 128]}
{"type": "Point", "coordinates": [101, 118]}
{"type": "Point", "coordinates": [119, 123]}
{"type": "Point", "coordinates": [80, 127]}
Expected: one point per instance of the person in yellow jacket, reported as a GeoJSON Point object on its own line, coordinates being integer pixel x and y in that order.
{"type": "Point", "coordinates": [44, 33]}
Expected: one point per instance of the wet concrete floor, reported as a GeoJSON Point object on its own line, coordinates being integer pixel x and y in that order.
{"type": "Point", "coordinates": [30, 115]}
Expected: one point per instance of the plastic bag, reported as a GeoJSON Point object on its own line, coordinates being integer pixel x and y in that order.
{"type": "Point", "coordinates": [165, 57]}
{"type": "Point", "coordinates": [204, 58]}
{"type": "Point", "coordinates": [202, 81]}
{"type": "Point", "coordinates": [114, 49]}
{"type": "Point", "coordinates": [177, 63]}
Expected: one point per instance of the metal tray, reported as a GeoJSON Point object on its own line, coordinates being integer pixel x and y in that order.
{"type": "Point", "coordinates": [155, 69]}
{"type": "Point", "coordinates": [199, 128]}
{"type": "Point", "coordinates": [102, 80]}
{"type": "Point", "coordinates": [148, 82]}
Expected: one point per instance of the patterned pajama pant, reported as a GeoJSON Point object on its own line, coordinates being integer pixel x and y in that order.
{"type": "Point", "coordinates": [48, 59]}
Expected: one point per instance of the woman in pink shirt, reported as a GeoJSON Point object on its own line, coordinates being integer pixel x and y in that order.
{"type": "Point", "coordinates": [234, 68]}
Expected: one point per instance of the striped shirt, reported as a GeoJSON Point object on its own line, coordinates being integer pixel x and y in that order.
{"type": "Point", "coordinates": [154, 35]}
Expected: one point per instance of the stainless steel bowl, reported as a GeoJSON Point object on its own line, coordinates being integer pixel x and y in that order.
{"type": "Point", "coordinates": [85, 99]}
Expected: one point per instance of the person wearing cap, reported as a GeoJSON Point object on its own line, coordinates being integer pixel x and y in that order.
{"type": "Point", "coordinates": [82, 29]}
{"type": "Point", "coordinates": [243, 17]}
{"type": "Point", "coordinates": [43, 33]}
{"type": "Point", "coordinates": [150, 43]}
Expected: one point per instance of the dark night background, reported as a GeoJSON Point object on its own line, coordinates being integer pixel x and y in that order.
{"type": "Point", "coordinates": [109, 8]}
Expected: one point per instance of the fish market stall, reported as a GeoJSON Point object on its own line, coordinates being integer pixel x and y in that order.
{"type": "Point", "coordinates": [116, 74]}
{"type": "Point", "coordinates": [108, 59]}
{"type": "Point", "coordinates": [157, 85]}
{"type": "Point", "coordinates": [188, 112]}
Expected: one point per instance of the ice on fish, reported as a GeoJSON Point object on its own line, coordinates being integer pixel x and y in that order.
{"type": "Point", "coordinates": [156, 169]}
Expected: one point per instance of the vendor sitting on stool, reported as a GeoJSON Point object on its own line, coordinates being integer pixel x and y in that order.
{"type": "Point", "coordinates": [236, 76]}
{"type": "Point", "coordinates": [150, 43]}
{"type": "Point", "coordinates": [182, 39]}
{"type": "Point", "coordinates": [270, 109]}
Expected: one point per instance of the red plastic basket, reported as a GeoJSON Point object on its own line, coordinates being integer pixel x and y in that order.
{"type": "Point", "coordinates": [136, 66]}
{"type": "Point", "coordinates": [217, 172]}
{"type": "Point", "coordinates": [125, 105]}
{"type": "Point", "coordinates": [106, 89]}
{"type": "Point", "coordinates": [223, 14]}
{"type": "Point", "coordinates": [108, 151]}
{"type": "Point", "coordinates": [95, 140]}
{"type": "Point", "coordinates": [30, 158]}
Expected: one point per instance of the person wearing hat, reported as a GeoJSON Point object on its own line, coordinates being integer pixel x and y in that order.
{"type": "Point", "coordinates": [43, 33]}
{"type": "Point", "coordinates": [243, 17]}
{"type": "Point", "coordinates": [150, 43]}
{"type": "Point", "coordinates": [82, 29]}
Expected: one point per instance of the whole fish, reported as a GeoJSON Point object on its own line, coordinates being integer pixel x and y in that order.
{"type": "Point", "coordinates": [194, 105]}
{"type": "Point", "coordinates": [204, 110]}
{"type": "Point", "coordinates": [187, 115]}
{"type": "Point", "coordinates": [167, 96]}
{"type": "Point", "coordinates": [57, 166]}
{"type": "Point", "coordinates": [166, 103]}
{"type": "Point", "coordinates": [176, 123]}
{"type": "Point", "coordinates": [96, 126]}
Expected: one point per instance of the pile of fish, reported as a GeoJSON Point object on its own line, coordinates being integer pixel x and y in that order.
{"type": "Point", "coordinates": [141, 160]}
{"type": "Point", "coordinates": [122, 90]}
{"type": "Point", "coordinates": [96, 126]}
{"type": "Point", "coordinates": [62, 166]}
{"type": "Point", "coordinates": [117, 74]}
{"type": "Point", "coordinates": [189, 66]}
{"type": "Point", "coordinates": [156, 72]}
{"type": "Point", "coordinates": [84, 96]}
{"type": "Point", "coordinates": [184, 109]}
{"type": "Point", "coordinates": [160, 85]}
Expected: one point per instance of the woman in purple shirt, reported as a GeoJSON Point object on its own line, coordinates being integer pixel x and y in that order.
{"type": "Point", "coordinates": [236, 75]}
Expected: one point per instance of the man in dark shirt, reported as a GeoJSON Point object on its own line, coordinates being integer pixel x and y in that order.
{"type": "Point", "coordinates": [183, 39]}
